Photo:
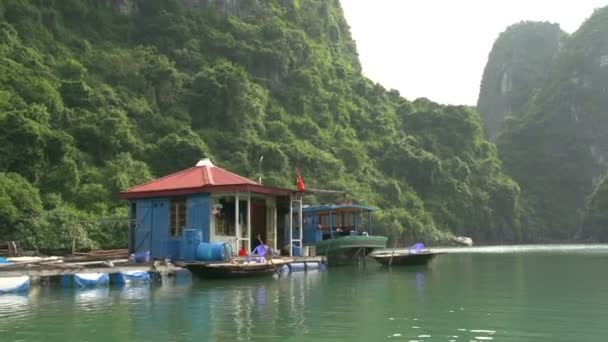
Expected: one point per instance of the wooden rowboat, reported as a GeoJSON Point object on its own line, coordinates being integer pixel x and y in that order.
{"type": "Point", "coordinates": [237, 269]}
{"type": "Point", "coordinates": [405, 258]}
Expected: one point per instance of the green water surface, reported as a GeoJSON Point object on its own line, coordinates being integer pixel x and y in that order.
{"type": "Point", "coordinates": [478, 294]}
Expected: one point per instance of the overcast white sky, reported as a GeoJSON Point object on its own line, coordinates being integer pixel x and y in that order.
{"type": "Point", "coordinates": [438, 48]}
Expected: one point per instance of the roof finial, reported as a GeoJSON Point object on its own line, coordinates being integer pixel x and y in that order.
{"type": "Point", "coordinates": [205, 162]}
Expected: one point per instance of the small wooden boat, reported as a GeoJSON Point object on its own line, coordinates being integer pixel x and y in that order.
{"type": "Point", "coordinates": [236, 269]}
{"type": "Point", "coordinates": [405, 258]}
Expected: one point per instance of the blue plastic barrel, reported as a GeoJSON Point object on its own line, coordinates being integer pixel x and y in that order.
{"type": "Point", "coordinates": [190, 240]}
{"type": "Point", "coordinates": [172, 249]}
{"type": "Point", "coordinates": [142, 257]}
{"type": "Point", "coordinates": [210, 251]}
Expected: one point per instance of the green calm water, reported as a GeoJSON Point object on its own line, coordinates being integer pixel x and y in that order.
{"type": "Point", "coordinates": [479, 294]}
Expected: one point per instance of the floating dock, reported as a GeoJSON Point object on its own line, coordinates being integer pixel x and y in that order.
{"type": "Point", "coordinates": [42, 270]}
{"type": "Point", "coordinates": [59, 269]}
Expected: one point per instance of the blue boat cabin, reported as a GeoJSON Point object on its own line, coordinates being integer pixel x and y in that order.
{"type": "Point", "coordinates": [323, 222]}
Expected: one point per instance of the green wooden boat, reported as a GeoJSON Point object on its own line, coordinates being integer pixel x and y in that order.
{"type": "Point", "coordinates": [345, 250]}
{"type": "Point", "coordinates": [340, 232]}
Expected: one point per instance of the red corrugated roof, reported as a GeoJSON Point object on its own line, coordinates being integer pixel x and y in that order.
{"type": "Point", "coordinates": [205, 177]}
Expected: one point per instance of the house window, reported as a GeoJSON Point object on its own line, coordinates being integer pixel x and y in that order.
{"type": "Point", "coordinates": [223, 211]}
{"type": "Point", "coordinates": [132, 216]}
{"type": "Point", "coordinates": [178, 216]}
{"type": "Point", "coordinates": [324, 218]}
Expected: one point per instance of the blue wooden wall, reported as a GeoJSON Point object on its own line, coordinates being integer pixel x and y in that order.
{"type": "Point", "coordinates": [311, 233]}
{"type": "Point", "coordinates": [152, 226]}
{"type": "Point", "coordinates": [199, 214]}
{"type": "Point", "coordinates": [143, 226]}
{"type": "Point", "coordinates": [153, 232]}
{"type": "Point", "coordinates": [161, 214]}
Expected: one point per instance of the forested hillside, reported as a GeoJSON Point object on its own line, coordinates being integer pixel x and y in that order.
{"type": "Point", "coordinates": [99, 95]}
{"type": "Point", "coordinates": [558, 149]}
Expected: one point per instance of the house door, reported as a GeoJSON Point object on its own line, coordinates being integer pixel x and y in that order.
{"type": "Point", "coordinates": [258, 222]}
{"type": "Point", "coordinates": [160, 228]}
{"type": "Point", "coordinates": [143, 227]}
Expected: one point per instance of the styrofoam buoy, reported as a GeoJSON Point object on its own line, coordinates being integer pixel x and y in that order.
{"type": "Point", "coordinates": [297, 266]}
{"type": "Point", "coordinates": [128, 277]}
{"type": "Point", "coordinates": [85, 279]}
{"type": "Point", "coordinates": [14, 284]}
{"type": "Point", "coordinates": [312, 265]}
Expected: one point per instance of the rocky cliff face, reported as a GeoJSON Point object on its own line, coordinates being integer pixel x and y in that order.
{"type": "Point", "coordinates": [558, 149]}
{"type": "Point", "coordinates": [594, 219]}
{"type": "Point", "coordinates": [517, 68]}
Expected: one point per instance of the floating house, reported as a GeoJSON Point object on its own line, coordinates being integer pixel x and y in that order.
{"type": "Point", "coordinates": [223, 206]}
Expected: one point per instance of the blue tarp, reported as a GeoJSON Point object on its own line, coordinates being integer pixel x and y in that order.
{"type": "Point", "coordinates": [85, 279]}
{"type": "Point", "coordinates": [14, 284]}
{"type": "Point", "coordinates": [130, 277]}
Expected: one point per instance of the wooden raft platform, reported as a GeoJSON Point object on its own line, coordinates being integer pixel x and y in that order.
{"type": "Point", "coordinates": [55, 266]}
{"type": "Point", "coordinates": [60, 268]}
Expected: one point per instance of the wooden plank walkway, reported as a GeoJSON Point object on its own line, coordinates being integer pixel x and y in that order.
{"type": "Point", "coordinates": [65, 269]}
{"type": "Point", "coordinates": [56, 267]}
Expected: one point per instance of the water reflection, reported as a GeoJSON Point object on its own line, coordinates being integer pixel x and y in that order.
{"type": "Point", "coordinates": [89, 299]}
{"type": "Point", "coordinates": [420, 283]}
{"type": "Point", "coordinates": [135, 292]}
{"type": "Point", "coordinates": [12, 303]}
{"type": "Point", "coordinates": [257, 307]}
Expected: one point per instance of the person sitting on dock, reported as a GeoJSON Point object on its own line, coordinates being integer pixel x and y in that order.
{"type": "Point", "coordinates": [261, 251]}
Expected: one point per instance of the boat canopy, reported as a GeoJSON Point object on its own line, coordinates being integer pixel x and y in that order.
{"type": "Point", "coordinates": [338, 208]}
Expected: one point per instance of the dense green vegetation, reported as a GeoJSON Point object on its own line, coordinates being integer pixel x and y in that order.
{"type": "Point", "coordinates": [96, 96]}
{"type": "Point", "coordinates": [517, 68]}
{"type": "Point", "coordinates": [558, 149]}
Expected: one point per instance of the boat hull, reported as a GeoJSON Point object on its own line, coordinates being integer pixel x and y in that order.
{"type": "Point", "coordinates": [400, 259]}
{"type": "Point", "coordinates": [347, 250]}
{"type": "Point", "coordinates": [236, 270]}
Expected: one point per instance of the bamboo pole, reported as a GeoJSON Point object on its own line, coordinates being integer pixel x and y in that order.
{"type": "Point", "coordinates": [390, 261]}
{"type": "Point", "coordinates": [269, 256]}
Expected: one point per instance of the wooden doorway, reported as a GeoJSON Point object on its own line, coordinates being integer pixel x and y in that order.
{"type": "Point", "coordinates": [259, 221]}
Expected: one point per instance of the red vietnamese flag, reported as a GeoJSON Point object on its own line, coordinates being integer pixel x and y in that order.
{"type": "Point", "coordinates": [300, 181]}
